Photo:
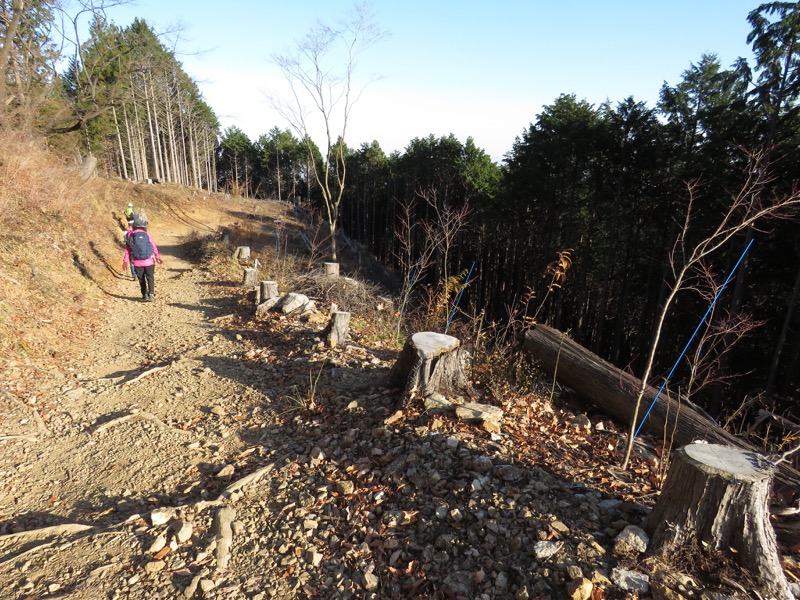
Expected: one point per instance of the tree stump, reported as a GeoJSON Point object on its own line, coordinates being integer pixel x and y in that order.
{"type": "Point", "coordinates": [331, 269]}
{"type": "Point", "coordinates": [250, 278]}
{"type": "Point", "coordinates": [717, 497]}
{"type": "Point", "coordinates": [267, 290]}
{"type": "Point", "coordinates": [337, 329]}
{"type": "Point", "coordinates": [430, 362]}
{"type": "Point", "coordinates": [242, 253]}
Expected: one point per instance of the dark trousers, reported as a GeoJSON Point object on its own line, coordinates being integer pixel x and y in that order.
{"type": "Point", "coordinates": [147, 279]}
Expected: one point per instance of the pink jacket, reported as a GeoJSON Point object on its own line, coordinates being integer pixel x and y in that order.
{"type": "Point", "coordinates": [140, 263]}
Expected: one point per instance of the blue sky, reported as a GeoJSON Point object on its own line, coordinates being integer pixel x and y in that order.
{"type": "Point", "coordinates": [474, 68]}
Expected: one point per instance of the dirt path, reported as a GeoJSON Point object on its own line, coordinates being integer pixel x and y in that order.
{"type": "Point", "coordinates": [131, 424]}
{"type": "Point", "coordinates": [175, 334]}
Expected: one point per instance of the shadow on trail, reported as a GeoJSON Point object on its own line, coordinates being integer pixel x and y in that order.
{"type": "Point", "coordinates": [211, 308]}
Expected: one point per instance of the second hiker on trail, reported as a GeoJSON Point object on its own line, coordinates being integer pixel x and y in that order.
{"type": "Point", "coordinates": [141, 251]}
{"type": "Point", "coordinates": [129, 213]}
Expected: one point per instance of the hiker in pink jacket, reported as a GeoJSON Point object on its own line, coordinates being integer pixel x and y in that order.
{"type": "Point", "coordinates": [141, 251]}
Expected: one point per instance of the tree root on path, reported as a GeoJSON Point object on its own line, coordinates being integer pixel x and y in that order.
{"type": "Point", "coordinates": [135, 416]}
{"type": "Point", "coordinates": [27, 438]}
{"type": "Point", "coordinates": [146, 373]}
{"type": "Point", "coordinates": [223, 535]}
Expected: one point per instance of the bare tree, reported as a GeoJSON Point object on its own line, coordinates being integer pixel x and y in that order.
{"type": "Point", "coordinates": [447, 223]}
{"type": "Point", "coordinates": [748, 208]}
{"type": "Point", "coordinates": [321, 70]}
{"type": "Point", "coordinates": [412, 259]}
{"type": "Point", "coordinates": [719, 335]}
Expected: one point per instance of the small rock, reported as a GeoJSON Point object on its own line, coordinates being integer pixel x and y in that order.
{"type": "Point", "coordinates": [436, 403]}
{"type": "Point", "coordinates": [183, 532]}
{"type": "Point", "coordinates": [154, 566]}
{"type": "Point", "coordinates": [316, 456]}
{"type": "Point", "coordinates": [345, 487]}
{"type": "Point", "coordinates": [580, 589]}
{"type": "Point", "coordinates": [161, 516]}
{"type": "Point", "coordinates": [473, 411]}
{"type": "Point", "coordinates": [206, 585]}
{"type": "Point", "coordinates": [544, 550]}
{"type": "Point", "coordinates": [482, 464]}
{"type": "Point", "coordinates": [218, 411]}
{"type": "Point", "coordinates": [501, 581]}
{"type": "Point", "coordinates": [600, 578]}
{"type": "Point", "coordinates": [558, 527]}
{"type": "Point", "coordinates": [226, 471]}
{"type": "Point", "coordinates": [509, 473]}
{"type": "Point", "coordinates": [630, 581]}
{"type": "Point", "coordinates": [581, 422]}
{"type": "Point", "coordinates": [631, 538]}
{"type": "Point", "coordinates": [158, 544]}
{"type": "Point", "coordinates": [460, 583]}
{"type": "Point", "coordinates": [371, 582]}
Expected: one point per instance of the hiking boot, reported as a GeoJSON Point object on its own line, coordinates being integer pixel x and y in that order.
{"type": "Point", "coordinates": [151, 297]}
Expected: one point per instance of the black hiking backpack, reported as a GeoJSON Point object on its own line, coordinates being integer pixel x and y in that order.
{"type": "Point", "coordinates": [140, 246]}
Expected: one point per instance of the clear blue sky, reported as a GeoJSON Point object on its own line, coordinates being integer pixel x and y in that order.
{"type": "Point", "coordinates": [475, 68]}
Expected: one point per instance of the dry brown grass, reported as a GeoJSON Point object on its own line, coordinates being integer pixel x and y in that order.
{"type": "Point", "coordinates": [60, 246]}
{"type": "Point", "coordinates": [51, 226]}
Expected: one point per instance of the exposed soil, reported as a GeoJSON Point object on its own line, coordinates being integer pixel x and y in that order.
{"type": "Point", "coordinates": [121, 464]}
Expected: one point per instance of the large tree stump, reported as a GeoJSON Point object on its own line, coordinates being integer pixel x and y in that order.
{"type": "Point", "coordinates": [337, 329]}
{"type": "Point", "coordinates": [430, 362]}
{"type": "Point", "coordinates": [717, 497]}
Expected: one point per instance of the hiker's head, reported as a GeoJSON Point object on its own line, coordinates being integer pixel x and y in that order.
{"type": "Point", "coordinates": [140, 220]}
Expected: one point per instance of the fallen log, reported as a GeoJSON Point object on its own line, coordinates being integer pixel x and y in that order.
{"type": "Point", "coordinates": [614, 392]}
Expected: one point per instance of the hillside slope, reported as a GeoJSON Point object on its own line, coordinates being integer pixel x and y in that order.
{"type": "Point", "coordinates": [182, 448]}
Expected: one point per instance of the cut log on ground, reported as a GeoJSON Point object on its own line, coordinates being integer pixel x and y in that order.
{"type": "Point", "coordinates": [614, 392]}
{"type": "Point", "coordinates": [430, 363]}
{"type": "Point", "coordinates": [336, 332]}
{"type": "Point", "coordinates": [716, 497]}
{"type": "Point", "coordinates": [332, 269]}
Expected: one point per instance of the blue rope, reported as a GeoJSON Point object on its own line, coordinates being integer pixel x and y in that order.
{"type": "Point", "coordinates": [458, 299]}
{"type": "Point", "coordinates": [697, 329]}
